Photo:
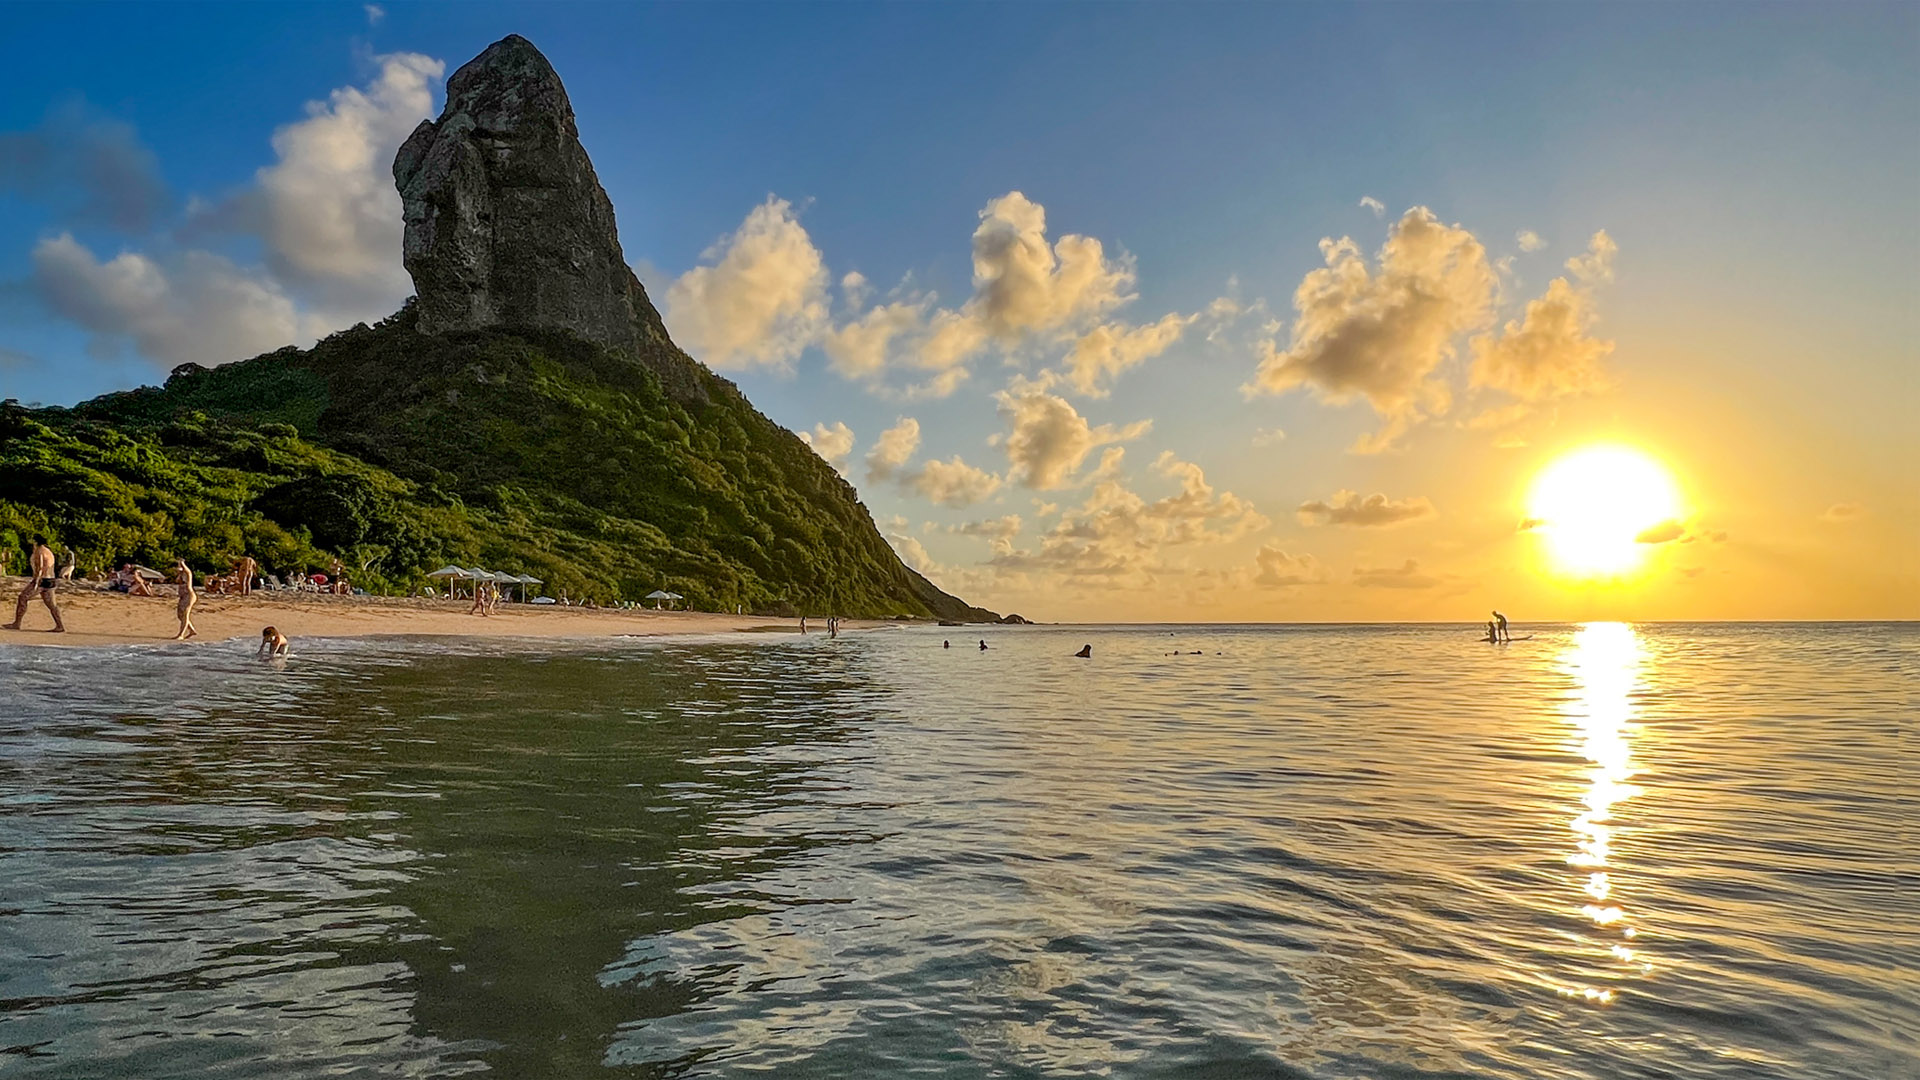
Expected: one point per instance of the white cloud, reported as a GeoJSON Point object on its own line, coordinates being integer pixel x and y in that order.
{"type": "Point", "coordinates": [833, 444]}
{"type": "Point", "coordinates": [1048, 439]}
{"type": "Point", "coordinates": [893, 449]}
{"type": "Point", "coordinates": [1551, 351]}
{"type": "Point", "coordinates": [1529, 240]}
{"type": "Point", "coordinates": [952, 483]}
{"type": "Point", "coordinates": [1368, 202]}
{"type": "Point", "coordinates": [1021, 284]}
{"type": "Point", "coordinates": [759, 297]}
{"type": "Point", "coordinates": [326, 210]}
{"type": "Point", "coordinates": [1121, 539]}
{"type": "Point", "coordinates": [913, 553]}
{"type": "Point", "coordinates": [859, 349]}
{"type": "Point", "coordinates": [1103, 353]}
{"type": "Point", "coordinates": [1380, 332]}
{"type": "Point", "coordinates": [1348, 508]}
{"type": "Point", "coordinates": [375, 14]}
{"type": "Point", "coordinates": [1276, 568]}
{"type": "Point", "coordinates": [203, 308]}
{"type": "Point", "coordinates": [855, 290]}
{"type": "Point", "coordinates": [999, 532]}
{"type": "Point", "coordinates": [1026, 289]}
{"type": "Point", "coordinates": [1268, 437]}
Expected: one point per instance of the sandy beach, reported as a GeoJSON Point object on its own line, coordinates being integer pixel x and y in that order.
{"type": "Point", "coordinates": [109, 618]}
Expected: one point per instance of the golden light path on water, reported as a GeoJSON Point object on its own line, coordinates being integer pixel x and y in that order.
{"type": "Point", "coordinates": [1604, 662]}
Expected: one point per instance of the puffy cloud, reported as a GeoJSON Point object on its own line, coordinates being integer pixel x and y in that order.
{"type": "Point", "coordinates": [375, 14]}
{"type": "Point", "coordinates": [1529, 240]}
{"type": "Point", "coordinates": [1666, 532]}
{"type": "Point", "coordinates": [833, 444]}
{"type": "Point", "coordinates": [913, 553]}
{"type": "Point", "coordinates": [1118, 537]}
{"type": "Point", "coordinates": [893, 449]}
{"type": "Point", "coordinates": [999, 532]}
{"type": "Point", "coordinates": [1277, 568]}
{"type": "Point", "coordinates": [952, 483]}
{"type": "Point", "coordinates": [1022, 285]}
{"type": "Point", "coordinates": [203, 308]}
{"type": "Point", "coordinates": [858, 349]}
{"type": "Point", "coordinates": [92, 170]}
{"type": "Point", "coordinates": [1348, 508]}
{"type": "Point", "coordinates": [1380, 332]}
{"type": "Point", "coordinates": [759, 297]}
{"type": "Point", "coordinates": [1101, 354]}
{"type": "Point", "coordinates": [1025, 288]}
{"type": "Point", "coordinates": [1048, 439]}
{"type": "Point", "coordinates": [855, 289]}
{"type": "Point", "coordinates": [1405, 576]}
{"type": "Point", "coordinates": [1269, 437]}
{"type": "Point", "coordinates": [1368, 202]}
{"type": "Point", "coordinates": [1550, 351]}
{"type": "Point", "coordinates": [326, 211]}
{"type": "Point", "coordinates": [1842, 513]}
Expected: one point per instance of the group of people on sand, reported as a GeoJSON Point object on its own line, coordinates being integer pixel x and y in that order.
{"type": "Point", "coordinates": [44, 580]}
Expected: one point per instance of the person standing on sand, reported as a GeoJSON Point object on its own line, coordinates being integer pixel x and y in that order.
{"type": "Point", "coordinates": [183, 576]}
{"type": "Point", "coordinates": [246, 568]}
{"type": "Point", "coordinates": [41, 579]}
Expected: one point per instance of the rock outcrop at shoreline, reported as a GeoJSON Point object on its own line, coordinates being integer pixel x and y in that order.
{"type": "Point", "coordinates": [507, 224]}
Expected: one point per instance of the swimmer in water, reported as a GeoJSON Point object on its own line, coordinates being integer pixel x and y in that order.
{"type": "Point", "coordinates": [983, 644]}
{"type": "Point", "coordinates": [273, 644]}
{"type": "Point", "coordinates": [1085, 653]}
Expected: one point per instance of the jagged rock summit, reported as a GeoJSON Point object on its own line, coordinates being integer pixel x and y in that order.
{"type": "Point", "coordinates": [507, 224]}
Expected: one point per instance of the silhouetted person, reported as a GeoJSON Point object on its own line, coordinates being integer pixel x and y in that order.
{"type": "Point", "coordinates": [946, 644]}
{"type": "Point", "coordinates": [41, 579]}
{"type": "Point", "coordinates": [1502, 620]}
{"type": "Point", "coordinates": [1492, 634]}
{"type": "Point", "coordinates": [983, 644]}
{"type": "Point", "coordinates": [1085, 653]}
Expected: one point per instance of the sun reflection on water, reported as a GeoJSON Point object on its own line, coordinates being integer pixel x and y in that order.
{"type": "Point", "coordinates": [1605, 664]}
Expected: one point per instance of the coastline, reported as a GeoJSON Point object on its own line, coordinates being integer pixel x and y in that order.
{"type": "Point", "coordinates": [95, 618]}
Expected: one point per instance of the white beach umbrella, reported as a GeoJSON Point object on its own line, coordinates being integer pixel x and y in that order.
{"type": "Point", "coordinates": [658, 595]}
{"type": "Point", "coordinates": [448, 571]}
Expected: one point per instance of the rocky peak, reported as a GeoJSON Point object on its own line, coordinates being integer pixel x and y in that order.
{"type": "Point", "coordinates": [507, 224]}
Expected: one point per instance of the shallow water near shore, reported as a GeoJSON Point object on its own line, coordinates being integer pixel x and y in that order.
{"type": "Point", "coordinates": [1609, 851]}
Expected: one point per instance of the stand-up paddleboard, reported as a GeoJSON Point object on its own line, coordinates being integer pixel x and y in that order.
{"type": "Point", "coordinates": [1504, 641]}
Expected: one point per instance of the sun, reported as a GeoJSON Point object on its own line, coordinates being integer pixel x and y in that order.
{"type": "Point", "coordinates": [1600, 509]}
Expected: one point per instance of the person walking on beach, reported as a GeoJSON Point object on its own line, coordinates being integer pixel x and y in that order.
{"type": "Point", "coordinates": [1501, 620]}
{"type": "Point", "coordinates": [183, 577]}
{"type": "Point", "coordinates": [41, 579]}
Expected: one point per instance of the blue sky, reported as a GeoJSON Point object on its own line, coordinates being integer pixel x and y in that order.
{"type": "Point", "coordinates": [1754, 165]}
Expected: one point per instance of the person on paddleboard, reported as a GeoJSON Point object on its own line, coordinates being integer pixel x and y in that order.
{"type": "Point", "coordinates": [1502, 621]}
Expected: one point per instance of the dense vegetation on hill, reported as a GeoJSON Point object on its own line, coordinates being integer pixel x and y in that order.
{"type": "Point", "coordinates": [530, 451]}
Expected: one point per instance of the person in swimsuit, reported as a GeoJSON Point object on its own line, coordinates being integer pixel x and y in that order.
{"type": "Point", "coordinates": [41, 579]}
{"type": "Point", "coordinates": [245, 567]}
{"type": "Point", "coordinates": [273, 644]}
{"type": "Point", "coordinates": [183, 576]}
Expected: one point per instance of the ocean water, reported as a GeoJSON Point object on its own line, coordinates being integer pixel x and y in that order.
{"type": "Point", "coordinates": [1607, 851]}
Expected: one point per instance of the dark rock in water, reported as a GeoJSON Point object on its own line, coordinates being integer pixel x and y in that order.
{"type": "Point", "coordinates": [507, 224]}
{"type": "Point", "coordinates": [1016, 620]}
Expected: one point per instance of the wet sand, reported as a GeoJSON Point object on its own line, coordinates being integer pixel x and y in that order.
{"type": "Point", "coordinates": [109, 618]}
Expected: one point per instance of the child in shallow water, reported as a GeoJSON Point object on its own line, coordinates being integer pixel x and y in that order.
{"type": "Point", "coordinates": [273, 643]}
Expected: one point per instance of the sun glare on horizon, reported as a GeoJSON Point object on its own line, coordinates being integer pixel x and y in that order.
{"type": "Point", "coordinates": [1601, 509]}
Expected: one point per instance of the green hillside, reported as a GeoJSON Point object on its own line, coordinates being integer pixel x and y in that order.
{"type": "Point", "coordinates": [530, 451]}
